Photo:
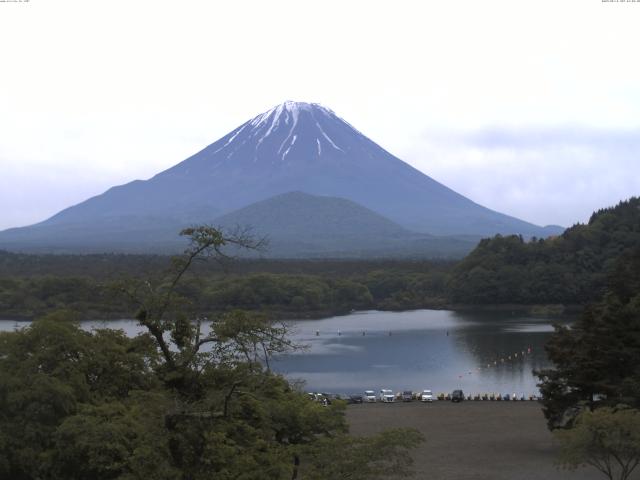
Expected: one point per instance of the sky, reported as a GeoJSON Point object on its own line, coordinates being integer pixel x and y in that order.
{"type": "Point", "coordinates": [528, 108]}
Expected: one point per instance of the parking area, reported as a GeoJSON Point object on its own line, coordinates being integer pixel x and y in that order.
{"type": "Point", "coordinates": [472, 440]}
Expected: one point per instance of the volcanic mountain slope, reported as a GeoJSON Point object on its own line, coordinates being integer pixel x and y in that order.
{"type": "Point", "coordinates": [292, 147]}
{"type": "Point", "coordinates": [296, 224]}
{"type": "Point", "coordinates": [301, 225]}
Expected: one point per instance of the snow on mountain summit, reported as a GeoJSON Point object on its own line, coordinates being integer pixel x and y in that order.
{"type": "Point", "coordinates": [289, 131]}
{"type": "Point", "coordinates": [289, 109]}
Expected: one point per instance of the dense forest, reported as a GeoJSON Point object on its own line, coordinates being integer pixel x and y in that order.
{"type": "Point", "coordinates": [570, 269]}
{"type": "Point", "coordinates": [31, 285]}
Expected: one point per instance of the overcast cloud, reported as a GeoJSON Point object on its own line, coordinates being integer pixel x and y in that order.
{"type": "Point", "coordinates": [530, 108]}
{"type": "Point", "coordinates": [559, 175]}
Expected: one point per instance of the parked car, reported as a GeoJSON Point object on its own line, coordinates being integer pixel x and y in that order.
{"type": "Point", "coordinates": [369, 396]}
{"type": "Point", "coordinates": [426, 396]}
{"type": "Point", "coordinates": [351, 399]}
{"type": "Point", "coordinates": [387, 396]}
{"type": "Point", "coordinates": [457, 396]}
{"type": "Point", "coordinates": [407, 396]}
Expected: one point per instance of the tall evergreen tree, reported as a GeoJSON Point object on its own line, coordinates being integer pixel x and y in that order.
{"type": "Point", "coordinates": [597, 360]}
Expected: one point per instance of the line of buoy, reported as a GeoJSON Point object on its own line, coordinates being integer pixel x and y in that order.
{"type": "Point", "coordinates": [339, 332]}
{"type": "Point", "coordinates": [502, 360]}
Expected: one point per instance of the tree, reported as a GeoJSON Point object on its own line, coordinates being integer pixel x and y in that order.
{"type": "Point", "coordinates": [167, 314]}
{"type": "Point", "coordinates": [607, 439]}
{"type": "Point", "coordinates": [53, 378]}
{"type": "Point", "coordinates": [233, 416]}
{"type": "Point", "coordinates": [189, 400]}
{"type": "Point", "coordinates": [597, 360]}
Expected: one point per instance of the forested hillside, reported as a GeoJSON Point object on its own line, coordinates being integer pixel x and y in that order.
{"type": "Point", "coordinates": [571, 268]}
{"type": "Point", "coordinates": [32, 285]}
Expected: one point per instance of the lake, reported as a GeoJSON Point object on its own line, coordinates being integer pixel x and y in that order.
{"type": "Point", "coordinates": [437, 349]}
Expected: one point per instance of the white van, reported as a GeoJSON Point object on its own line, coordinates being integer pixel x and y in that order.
{"type": "Point", "coordinates": [387, 396]}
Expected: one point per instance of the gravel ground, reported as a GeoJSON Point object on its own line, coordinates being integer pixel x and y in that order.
{"type": "Point", "coordinates": [473, 440]}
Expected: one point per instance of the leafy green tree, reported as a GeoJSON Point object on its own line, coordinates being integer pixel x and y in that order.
{"type": "Point", "coordinates": [607, 439]}
{"type": "Point", "coordinates": [118, 439]}
{"type": "Point", "coordinates": [186, 401]}
{"type": "Point", "coordinates": [51, 372]}
{"type": "Point", "coordinates": [226, 397]}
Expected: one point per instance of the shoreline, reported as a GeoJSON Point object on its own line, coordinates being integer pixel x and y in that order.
{"type": "Point", "coordinates": [536, 310]}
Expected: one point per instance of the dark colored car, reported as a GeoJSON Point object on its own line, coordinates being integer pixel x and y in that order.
{"type": "Point", "coordinates": [457, 396]}
{"type": "Point", "coordinates": [407, 396]}
{"type": "Point", "coordinates": [355, 399]}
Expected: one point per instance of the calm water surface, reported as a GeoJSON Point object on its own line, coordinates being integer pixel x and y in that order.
{"type": "Point", "coordinates": [439, 350]}
{"type": "Point", "coordinates": [435, 349]}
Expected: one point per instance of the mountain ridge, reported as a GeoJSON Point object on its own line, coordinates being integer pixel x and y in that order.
{"type": "Point", "coordinates": [297, 225]}
{"type": "Point", "coordinates": [294, 146]}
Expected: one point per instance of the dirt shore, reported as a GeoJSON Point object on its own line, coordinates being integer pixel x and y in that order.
{"type": "Point", "coordinates": [473, 440]}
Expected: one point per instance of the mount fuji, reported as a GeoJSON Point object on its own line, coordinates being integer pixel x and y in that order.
{"type": "Point", "coordinates": [294, 147]}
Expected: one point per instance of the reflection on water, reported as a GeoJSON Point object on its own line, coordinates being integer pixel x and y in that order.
{"type": "Point", "coordinates": [434, 349]}
{"type": "Point", "coordinates": [439, 350]}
